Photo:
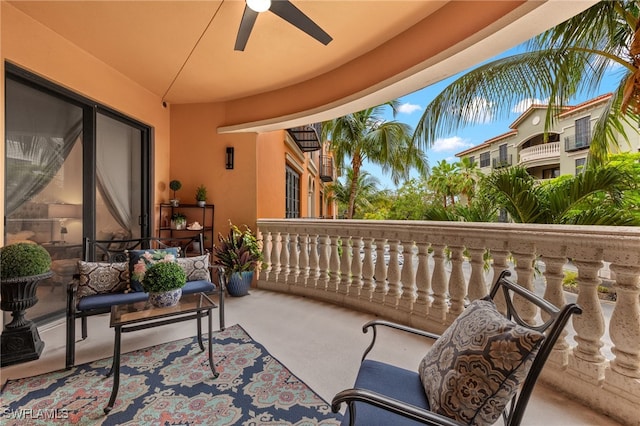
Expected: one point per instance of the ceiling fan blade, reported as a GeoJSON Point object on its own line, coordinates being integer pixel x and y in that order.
{"type": "Point", "coordinates": [246, 25]}
{"type": "Point", "coordinates": [287, 11]}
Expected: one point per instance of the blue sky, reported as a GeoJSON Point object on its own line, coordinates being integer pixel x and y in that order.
{"type": "Point", "coordinates": [412, 107]}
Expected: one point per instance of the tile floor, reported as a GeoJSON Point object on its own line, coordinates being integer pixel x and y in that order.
{"type": "Point", "coordinates": [320, 343]}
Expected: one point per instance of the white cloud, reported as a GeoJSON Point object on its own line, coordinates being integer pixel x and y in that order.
{"type": "Point", "coordinates": [523, 105]}
{"type": "Point", "coordinates": [455, 143]}
{"type": "Point", "coordinates": [408, 108]}
{"type": "Point", "coordinates": [477, 111]}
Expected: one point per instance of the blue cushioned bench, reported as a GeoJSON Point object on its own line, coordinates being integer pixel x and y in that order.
{"type": "Point", "coordinates": [112, 252]}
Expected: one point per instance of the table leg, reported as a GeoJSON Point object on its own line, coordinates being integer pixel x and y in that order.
{"type": "Point", "coordinates": [115, 367]}
{"type": "Point", "coordinates": [210, 347]}
{"type": "Point", "coordinates": [200, 330]}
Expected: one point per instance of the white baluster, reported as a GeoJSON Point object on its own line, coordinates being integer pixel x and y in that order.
{"type": "Point", "coordinates": [524, 256]}
{"type": "Point", "coordinates": [314, 261]}
{"type": "Point", "coordinates": [334, 263]}
{"type": "Point", "coordinates": [293, 259]}
{"type": "Point", "coordinates": [345, 266]}
{"type": "Point", "coordinates": [407, 278]}
{"type": "Point", "coordinates": [499, 258]}
{"type": "Point", "coordinates": [275, 256]}
{"type": "Point", "coordinates": [457, 284]}
{"type": "Point", "coordinates": [356, 267]}
{"type": "Point", "coordinates": [393, 274]}
{"type": "Point", "coordinates": [323, 251]}
{"type": "Point", "coordinates": [380, 274]}
{"type": "Point", "coordinates": [368, 285]}
{"type": "Point", "coordinates": [304, 259]}
{"type": "Point", "coordinates": [439, 284]}
{"type": "Point", "coordinates": [477, 285]}
{"type": "Point", "coordinates": [423, 282]}
{"type": "Point", "coordinates": [624, 327]}
{"type": "Point", "coordinates": [266, 255]}
{"type": "Point", "coordinates": [285, 267]}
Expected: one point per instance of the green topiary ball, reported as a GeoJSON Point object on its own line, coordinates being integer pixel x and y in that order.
{"type": "Point", "coordinates": [164, 276]}
{"type": "Point", "coordinates": [23, 260]}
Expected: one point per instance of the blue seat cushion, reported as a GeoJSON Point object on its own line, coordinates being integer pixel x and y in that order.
{"type": "Point", "coordinates": [98, 301]}
{"type": "Point", "coordinates": [392, 381]}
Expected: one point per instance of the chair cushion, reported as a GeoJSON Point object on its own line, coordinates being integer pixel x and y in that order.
{"type": "Point", "coordinates": [98, 301]}
{"type": "Point", "coordinates": [392, 381]}
{"type": "Point", "coordinates": [474, 369]}
{"type": "Point", "coordinates": [99, 277]}
{"type": "Point", "coordinates": [140, 260]}
{"type": "Point", "coordinates": [196, 268]}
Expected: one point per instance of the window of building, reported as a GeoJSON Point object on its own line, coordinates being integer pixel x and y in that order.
{"type": "Point", "coordinates": [502, 150]}
{"type": "Point", "coordinates": [580, 163]}
{"type": "Point", "coordinates": [583, 131]}
{"type": "Point", "coordinates": [485, 159]}
{"type": "Point", "coordinates": [472, 160]}
{"type": "Point", "coordinates": [550, 173]}
{"type": "Point", "coordinates": [292, 193]}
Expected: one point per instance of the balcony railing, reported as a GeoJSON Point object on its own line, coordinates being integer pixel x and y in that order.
{"type": "Point", "coordinates": [424, 273]}
{"type": "Point", "coordinates": [544, 151]}
{"type": "Point", "coordinates": [326, 168]}
{"type": "Point", "coordinates": [501, 162]}
{"type": "Point", "coordinates": [307, 137]}
{"type": "Point", "coordinates": [570, 143]}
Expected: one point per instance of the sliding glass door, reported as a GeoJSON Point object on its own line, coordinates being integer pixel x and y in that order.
{"type": "Point", "coordinates": [73, 170]}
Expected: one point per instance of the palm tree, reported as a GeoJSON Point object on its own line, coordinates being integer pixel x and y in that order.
{"type": "Point", "coordinates": [593, 197]}
{"type": "Point", "coordinates": [445, 181]}
{"type": "Point", "coordinates": [365, 135]}
{"type": "Point", "coordinates": [469, 174]}
{"type": "Point", "coordinates": [562, 62]}
{"type": "Point", "coordinates": [366, 189]}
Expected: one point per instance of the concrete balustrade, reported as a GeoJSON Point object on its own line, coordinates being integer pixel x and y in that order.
{"type": "Point", "coordinates": [424, 273]}
{"type": "Point", "coordinates": [538, 152]}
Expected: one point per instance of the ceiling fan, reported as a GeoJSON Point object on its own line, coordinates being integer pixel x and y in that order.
{"type": "Point", "coordinates": [284, 9]}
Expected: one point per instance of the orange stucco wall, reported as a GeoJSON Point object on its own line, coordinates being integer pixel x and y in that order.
{"type": "Point", "coordinates": [198, 157]}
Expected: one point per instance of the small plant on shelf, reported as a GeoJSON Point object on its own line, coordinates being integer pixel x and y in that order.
{"type": "Point", "coordinates": [178, 221]}
{"type": "Point", "coordinates": [175, 185]}
{"type": "Point", "coordinates": [201, 195]}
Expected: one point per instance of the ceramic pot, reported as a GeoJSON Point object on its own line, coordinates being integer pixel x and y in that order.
{"type": "Point", "coordinates": [166, 298]}
{"type": "Point", "coordinates": [239, 283]}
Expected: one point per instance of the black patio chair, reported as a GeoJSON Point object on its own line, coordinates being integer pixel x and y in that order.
{"type": "Point", "coordinates": [481, 349]}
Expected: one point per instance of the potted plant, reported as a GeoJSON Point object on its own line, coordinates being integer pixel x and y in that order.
{"type": "Point", "coordinates": [201, 195]}
{"type": "Point", "coordinates": [22, 267]}
{"type": "Point", "coordinates": [164, 281]}
{"type": "Point", "coordinates": [239, 255]}
{"type": "Point", "coordinates": [175, 185]}
{"type": "Point", "coordinates": [178, 221]}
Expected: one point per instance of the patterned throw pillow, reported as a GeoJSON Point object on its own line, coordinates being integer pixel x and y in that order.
{"type": "Point", "coordinates": [99, 278]}
{"type": "Point", "coordinates": [474, 369]}
{"type": "Point", "coordinates": [196, 268]}
{"type": "Point", "coordinates": [140, 260]}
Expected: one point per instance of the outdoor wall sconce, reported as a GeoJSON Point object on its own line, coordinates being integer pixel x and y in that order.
{"type": "Point", "coordinates": [229, 161]}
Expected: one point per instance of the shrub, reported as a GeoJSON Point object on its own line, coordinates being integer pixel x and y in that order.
{"type": "Point", "coordinates": [164, 276]}
{"type": "Point", "coordinates": [201, 193]}
{"type": "Point", "coordinates": [23, 260]}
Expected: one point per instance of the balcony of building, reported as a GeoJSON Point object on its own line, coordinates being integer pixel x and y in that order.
{"type": "Point", "coordinates": [547, 153]}
{"type": "Point", "coordinates": [572, 144]}
{"type": "Point", "coordinates": [307, 137]}
{"type": "Point", "coordinates": [502, 161]}
{"type": "Point", "coordinates": [327, 169]}
{"type": "Point", "coordinates": [362, 265]}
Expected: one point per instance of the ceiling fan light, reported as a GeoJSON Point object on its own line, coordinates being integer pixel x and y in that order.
{"type": "Point", "coordinates": [259, 5]}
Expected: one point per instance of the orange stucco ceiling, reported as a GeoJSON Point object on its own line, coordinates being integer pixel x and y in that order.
{"type": "Point", "coordinates": [380, 49]}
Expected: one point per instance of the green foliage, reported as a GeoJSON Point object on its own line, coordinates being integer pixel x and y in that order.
{"type": "Point", "coordinates": [175, 185]}
{"type": "Point", "coordinates": [201, 193]}
{"type": "Point", "coordinates": [410, 201]}
{"type": "Point", "coordinates": [178, 217]}
{"type": "Point", "coordinates": [23, 260]}
{"type": "Point", "coordinates": [570, 279]}
{"type": "Point", "coordinates": [164, 276]}
{"type": "Point", "coordinates": [238, 252]}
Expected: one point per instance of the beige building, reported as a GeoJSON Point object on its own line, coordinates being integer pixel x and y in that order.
{"type": "Point", "coordinates": [564, 152]}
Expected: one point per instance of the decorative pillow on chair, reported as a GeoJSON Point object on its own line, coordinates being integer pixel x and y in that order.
{"type": "Point", "coordinates": [98, 278]}
{"type": "Point", "coordinates": [196, 267]}
{"type": "Point", "coordinates": [140, 260]}
{"type": "Point", "coordinates": [474, 369]}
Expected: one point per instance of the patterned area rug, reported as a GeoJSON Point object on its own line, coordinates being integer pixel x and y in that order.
{"type": "Point", "coordinates": [172, 384]}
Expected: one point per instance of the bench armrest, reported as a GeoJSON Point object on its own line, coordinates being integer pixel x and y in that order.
{"type": "Point", "coordinates": [373, 325]}
{"type": "Point", "coordinates": [421, 415]}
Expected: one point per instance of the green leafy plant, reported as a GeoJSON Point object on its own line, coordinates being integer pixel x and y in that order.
{"type": "Point", "coordinates": [164, 276]}
{"type": "Point", "coordinates": [238, 252]}
{"type": "Point", "coordinates": [201, 193]}
{"type": "Point", "coordinates": [23, 260]}
{"type": "Point", "coordinates": [175, 185]}
{"type": "Point", "coordinates": [178, 217]}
